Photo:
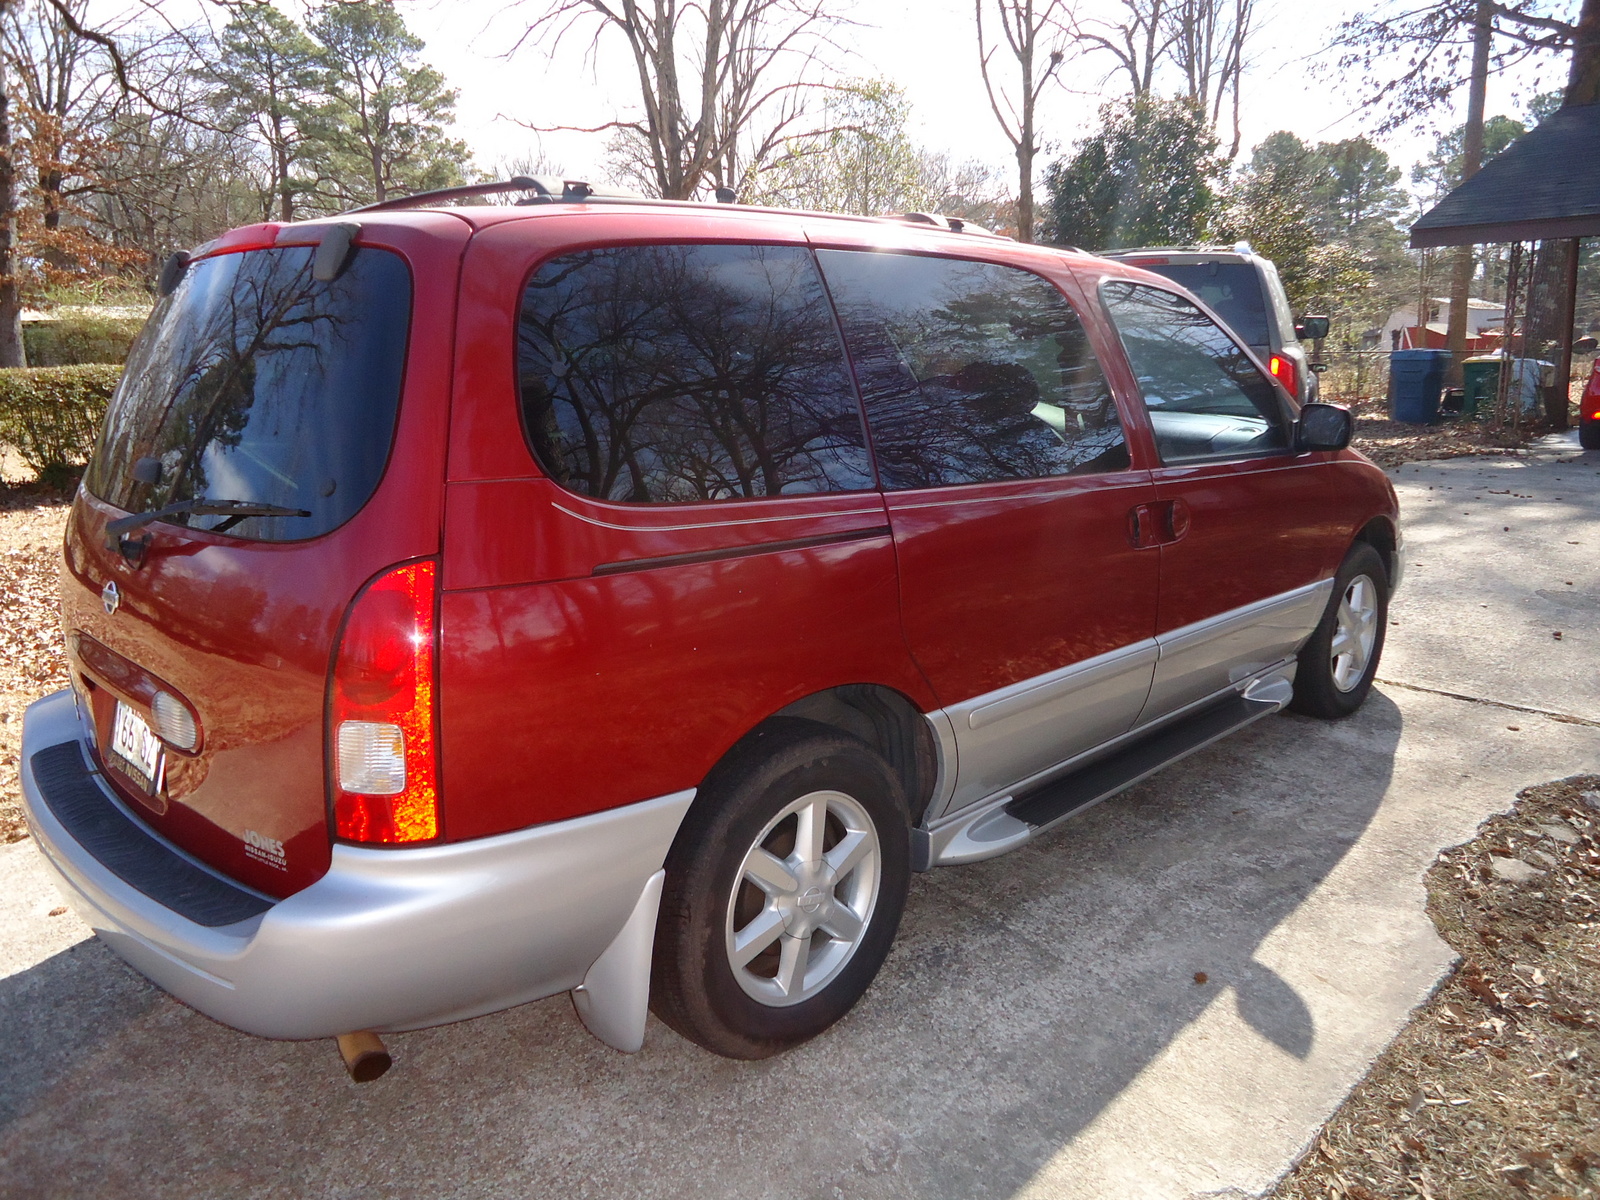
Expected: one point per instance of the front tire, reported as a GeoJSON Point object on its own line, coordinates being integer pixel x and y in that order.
{"type": "Point", "coordinates": [783, 893]}
{"type": "Point", "coordinates": [1340, 661]}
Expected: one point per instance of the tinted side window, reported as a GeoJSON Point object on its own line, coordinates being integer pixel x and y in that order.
{"type": "Point", "coordinates": [971, 371]}
{"type": "Point", "coordinates": [1204, 395]}
{"type": "Point", "coordinates": [679, 373]}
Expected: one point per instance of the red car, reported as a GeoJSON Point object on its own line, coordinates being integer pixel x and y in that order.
{"type": "Point", "coordinates": [471, 604]}
{"type": "Point", "coordinates": [1589, 411]}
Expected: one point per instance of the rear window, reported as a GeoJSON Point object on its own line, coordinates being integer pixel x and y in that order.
{"type": "Point", "coordinates": [1231, 290]}
{"type": "Point", "coordinates": [253, 382]}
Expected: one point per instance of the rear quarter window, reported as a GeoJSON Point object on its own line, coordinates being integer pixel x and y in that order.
{"type": "Point", "coordinates": [255, 382]}
{"type": "Point", "coordinates": [678, 373]}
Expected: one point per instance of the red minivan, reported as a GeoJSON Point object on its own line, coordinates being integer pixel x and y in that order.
{"type": "Point", "coordinates": [468, 604]}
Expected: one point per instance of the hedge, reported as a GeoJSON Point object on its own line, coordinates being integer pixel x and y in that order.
{"type": "Point", "coordinates": [50, 415]}
{"type": "Point", "coordinates": [79, 338]}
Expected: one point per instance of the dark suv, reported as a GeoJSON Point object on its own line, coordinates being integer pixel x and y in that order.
{"type": "Point", "coordinates": [1243, 288]}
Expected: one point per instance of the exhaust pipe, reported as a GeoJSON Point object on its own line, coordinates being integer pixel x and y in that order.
{"type": "Point", "coordinates": [364, 1054]}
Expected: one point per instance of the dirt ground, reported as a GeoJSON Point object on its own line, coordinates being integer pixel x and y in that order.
{"type": "Point", "coordinates": [32, 662]}
{"type": "Point", "coordinates": [1492, 1089]}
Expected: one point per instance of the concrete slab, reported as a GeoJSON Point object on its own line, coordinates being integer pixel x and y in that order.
{"type": "Point", "coordinates": [1037, 1032]}
{"type": "Point", "coordinates": [1504, 553]}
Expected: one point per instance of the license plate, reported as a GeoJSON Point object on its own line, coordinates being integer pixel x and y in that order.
{"type": "Point", "coordinates": [138, 748]}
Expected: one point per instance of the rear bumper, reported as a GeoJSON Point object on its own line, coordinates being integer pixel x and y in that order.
{"type": "Point", "coordinates": [387, 939]}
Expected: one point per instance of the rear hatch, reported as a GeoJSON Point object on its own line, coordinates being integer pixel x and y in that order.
{"type": "Point", "coordinates": [288, 431]}
{"type": "Point", "coordinates": [1232, 290]}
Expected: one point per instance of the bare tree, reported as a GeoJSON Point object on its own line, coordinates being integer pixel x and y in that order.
{"type": "Point", "coordinates": [1037, 34]}
{"type": "Point", "coordinates": [1136, 43]}
{"type": "Point", "coordinates": [721, 83]}
{"type": "Point", "coordinates": [1432, 42]}
{"type": "Point", "coordinates": [1207, 43]}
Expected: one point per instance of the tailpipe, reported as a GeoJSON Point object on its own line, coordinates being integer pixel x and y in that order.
{"type": "Point", "coordinates": [364, 1054]}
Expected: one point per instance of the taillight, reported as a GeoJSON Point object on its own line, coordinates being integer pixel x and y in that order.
{"type": "Point", "coordinates": [380, 723]}
{"type": "Point", "coordinates": [1284, 372]}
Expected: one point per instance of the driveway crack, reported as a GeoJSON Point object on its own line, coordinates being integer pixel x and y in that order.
{"type": "Point", "coordinates": [1567, 718]}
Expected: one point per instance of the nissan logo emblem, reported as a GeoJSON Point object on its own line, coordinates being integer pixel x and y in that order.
{"type": "Point", "coordinates": [110, 596]}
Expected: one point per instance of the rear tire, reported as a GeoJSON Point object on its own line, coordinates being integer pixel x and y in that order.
{"type": "Point", "coordinates": [1589, 434]}
{"type": "Point", "coordinates": [1339, 663]}
{"type": "Point", "coordinates": [783, 893]}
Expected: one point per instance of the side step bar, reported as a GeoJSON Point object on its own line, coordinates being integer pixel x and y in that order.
{"type": "Point", "coordinates": [1003, 825]}
{"type": "Point", "coordinates": [1101, 780]}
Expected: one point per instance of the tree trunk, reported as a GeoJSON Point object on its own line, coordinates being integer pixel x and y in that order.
{"type": "Point", "coordinates": [12, 353]}
{"type": "Point", "coordinates": [1471, 160]}
{"type": "Point", "coordinates": [1025, 193]}
{"type": "Point", "coordinates": [1583, 80]}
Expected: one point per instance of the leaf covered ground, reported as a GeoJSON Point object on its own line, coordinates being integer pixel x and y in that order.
{"type": "Point", "coordinates": [32, 660]}
{"type": "Point", "coordinates": [1492, 1091]}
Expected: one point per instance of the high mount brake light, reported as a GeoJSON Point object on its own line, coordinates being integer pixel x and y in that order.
{"type": "Point", "coordinates": [381, 719]}
{"type": "Point", "coordinates": [1283, 370]}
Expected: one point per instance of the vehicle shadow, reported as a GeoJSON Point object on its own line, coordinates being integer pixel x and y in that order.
{"type": "Point", "coordinates": [1022, 998]}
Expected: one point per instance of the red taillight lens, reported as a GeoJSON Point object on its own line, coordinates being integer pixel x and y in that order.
{"type": "Point", "coordinates": [1283, 371]}
{"type": "Point", "coordinates": [380, 724]}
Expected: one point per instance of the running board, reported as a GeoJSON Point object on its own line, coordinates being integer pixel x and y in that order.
{"type": "Point", "coordinates": [1003, 825]}
{"type": "Point", "coordinates": [1103, 779]}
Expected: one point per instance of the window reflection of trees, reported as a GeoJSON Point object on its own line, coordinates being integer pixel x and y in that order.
{"type": "Point", "coordinates": [971, 371]}
{"type": "Point", "coordinates": [678, 373]}
{"type": "Point", "coordinates": [1184, 361]}
{"type": "Point", "coordinates": [255, 371]}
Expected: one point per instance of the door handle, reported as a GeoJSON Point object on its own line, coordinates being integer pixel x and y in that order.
{"type": "Point", "coordinates": [1158, 524]}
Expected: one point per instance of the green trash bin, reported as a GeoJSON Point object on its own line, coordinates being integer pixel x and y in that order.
{"type": "Point", "coordinates": [1480, 377]}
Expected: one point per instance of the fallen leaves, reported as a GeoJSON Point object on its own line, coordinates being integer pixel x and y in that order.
{"type": "Point", "coordinates": [1492, 1089]}
{"type": "Point", "coordinates": [32, 659]}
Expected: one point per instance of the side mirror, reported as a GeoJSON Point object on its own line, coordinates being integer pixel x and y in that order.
{"type": "Point", "coordinates": [1324, 427]}
{"type": "Point", "coordinates": [1319, 368]}
{"type": "Point", "coordinates": [1312, 328]}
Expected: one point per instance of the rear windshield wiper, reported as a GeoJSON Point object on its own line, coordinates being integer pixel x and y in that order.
{"type": "Point", "coordinates": [238, 510]}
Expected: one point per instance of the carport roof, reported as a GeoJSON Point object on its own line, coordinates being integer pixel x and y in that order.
{"type": "Point", "coordinates": [1546, 184]}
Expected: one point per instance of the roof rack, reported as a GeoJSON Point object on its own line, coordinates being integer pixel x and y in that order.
{"type": "Point", "coordinates": [540, 189]}
{"type": "Point", "coordinates": [551, 189]}
{"type": "Point", "coordinates": [940, 221]}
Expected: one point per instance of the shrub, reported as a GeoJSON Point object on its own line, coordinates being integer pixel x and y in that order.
{"type": "Point", "coordinates": [51, 414]}
{"type": "Point", "coordinates": [79, 338]}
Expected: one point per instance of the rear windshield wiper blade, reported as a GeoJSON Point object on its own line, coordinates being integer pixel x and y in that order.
{"type": "Point", "coordinates": [237, 509]}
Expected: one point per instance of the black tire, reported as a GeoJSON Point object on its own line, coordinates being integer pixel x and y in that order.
{"type": "Point", "coordinates": [1323, 687]}
{"type": "Point", "coordinates": [1589, 434]}
{"type": "Point", "coordinates": [741, 1011]}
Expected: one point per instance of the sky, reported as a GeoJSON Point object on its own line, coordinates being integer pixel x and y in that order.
{"type": "Point", "coordinates": [925, 46]}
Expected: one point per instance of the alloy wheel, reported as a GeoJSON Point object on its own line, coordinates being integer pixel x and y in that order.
{"type": "Point", "coordinates": [1355, 632]}
{"type": "Point", "coordinates": [803, 899]}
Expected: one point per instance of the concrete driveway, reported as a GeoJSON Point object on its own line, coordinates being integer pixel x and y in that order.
{"type": "Point", "coordinates": [1038, 1030]}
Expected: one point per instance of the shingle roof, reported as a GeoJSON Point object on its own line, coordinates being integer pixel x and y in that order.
{"type": "Point", "coordinates": [1546, 184]}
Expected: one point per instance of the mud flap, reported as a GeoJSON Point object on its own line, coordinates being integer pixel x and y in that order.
{"type": "Point", "coordinates": [614, 997]}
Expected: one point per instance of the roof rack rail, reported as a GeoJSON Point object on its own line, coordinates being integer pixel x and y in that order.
{"type": "Point", "coordinates": [940, 221]}
{"type": "Point", "coordinates": [541, 189]}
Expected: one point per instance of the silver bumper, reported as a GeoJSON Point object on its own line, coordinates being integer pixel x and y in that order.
{"type": "Point", "coordinates": [396, 939]}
